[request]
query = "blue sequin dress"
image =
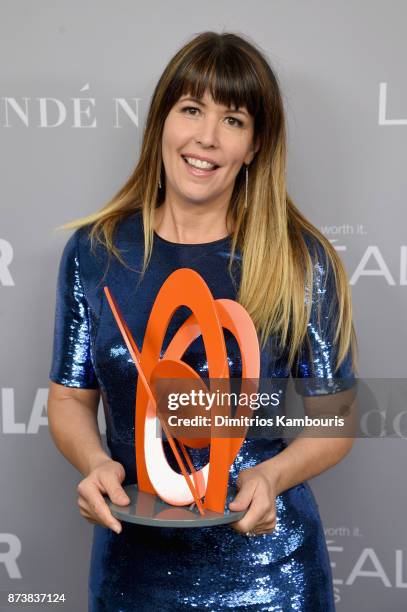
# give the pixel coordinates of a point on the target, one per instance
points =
(212, 568)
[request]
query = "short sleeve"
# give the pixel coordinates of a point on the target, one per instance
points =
(71, 363)
(314, 366)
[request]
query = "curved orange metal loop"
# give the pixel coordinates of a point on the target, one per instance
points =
(185, 287)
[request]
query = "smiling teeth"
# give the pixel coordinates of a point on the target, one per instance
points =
(199, 163)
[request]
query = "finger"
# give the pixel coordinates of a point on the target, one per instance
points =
(265, 527)
(83, 505)
(113, 488)
(269, 519)
(255, 515)
(263, 532)
(84, 510)
(89, 518)
(99, 509)
(244, 496)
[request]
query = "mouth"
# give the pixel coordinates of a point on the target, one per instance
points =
(199, 167)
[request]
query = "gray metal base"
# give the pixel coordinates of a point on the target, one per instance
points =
(148, 509)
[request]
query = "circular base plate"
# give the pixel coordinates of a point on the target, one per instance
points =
(148, 509)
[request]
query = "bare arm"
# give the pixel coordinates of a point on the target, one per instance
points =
(312, 453)
(72, 418)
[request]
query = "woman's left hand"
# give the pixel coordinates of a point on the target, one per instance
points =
(257, 492)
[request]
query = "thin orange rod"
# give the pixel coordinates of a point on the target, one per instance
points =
(135, 354)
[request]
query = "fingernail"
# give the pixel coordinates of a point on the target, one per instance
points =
(117, 529)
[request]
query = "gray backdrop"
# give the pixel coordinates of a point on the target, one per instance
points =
(76, 80)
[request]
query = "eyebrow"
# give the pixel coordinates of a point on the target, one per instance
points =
(228, 110)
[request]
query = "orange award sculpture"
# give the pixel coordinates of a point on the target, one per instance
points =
(155, 477)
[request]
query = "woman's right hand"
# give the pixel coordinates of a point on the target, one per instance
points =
(105, 479)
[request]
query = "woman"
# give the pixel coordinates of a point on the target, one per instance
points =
(208, 193)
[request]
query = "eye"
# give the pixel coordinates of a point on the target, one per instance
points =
(237, 123)
(187, 109)
(193, 112)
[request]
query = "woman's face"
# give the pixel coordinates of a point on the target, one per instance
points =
(204, 145)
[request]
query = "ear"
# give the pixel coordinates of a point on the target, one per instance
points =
(249, 157)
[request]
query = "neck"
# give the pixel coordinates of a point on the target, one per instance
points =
(192, 224)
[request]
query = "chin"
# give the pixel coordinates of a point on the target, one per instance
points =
(197, 198)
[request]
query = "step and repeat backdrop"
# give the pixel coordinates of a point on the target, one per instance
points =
(76, 82)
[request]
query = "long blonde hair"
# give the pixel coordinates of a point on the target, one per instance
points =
(277, 267)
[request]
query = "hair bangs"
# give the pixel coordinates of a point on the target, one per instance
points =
(228, 78)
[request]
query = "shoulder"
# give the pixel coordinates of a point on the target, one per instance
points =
(91, 257)
(69, 261)
(76, 249)
(127, 231)
(323, 261)
(80, 245)
(317, 249)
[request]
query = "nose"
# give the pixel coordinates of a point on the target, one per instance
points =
(207, 132)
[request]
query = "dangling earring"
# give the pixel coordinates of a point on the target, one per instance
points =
(247, 184)
(159, 181)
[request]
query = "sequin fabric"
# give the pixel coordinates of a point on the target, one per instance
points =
(216, 568)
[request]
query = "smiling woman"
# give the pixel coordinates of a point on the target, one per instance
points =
(208, 193)
(203, 149)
